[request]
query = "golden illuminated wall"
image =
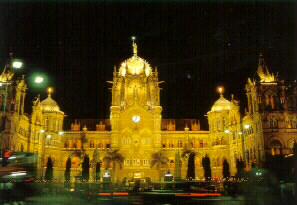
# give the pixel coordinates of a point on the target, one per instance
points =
(225, 134)
(136, 114)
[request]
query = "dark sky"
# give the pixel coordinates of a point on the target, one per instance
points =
(195, 47)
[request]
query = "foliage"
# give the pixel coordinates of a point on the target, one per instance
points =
(86, 168)
(240, 168)
(159, 160)
(226, 169)
(98, 170)
(206, 167)
(67, 170)
(191, 166)
(49, 169)
(190, 156)
(113, 157)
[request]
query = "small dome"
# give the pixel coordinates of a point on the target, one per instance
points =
(50, 105)
(221, 104)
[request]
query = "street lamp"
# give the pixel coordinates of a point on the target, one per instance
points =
(17, 64)
(38, 79)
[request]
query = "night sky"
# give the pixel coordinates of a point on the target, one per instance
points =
(195, 47)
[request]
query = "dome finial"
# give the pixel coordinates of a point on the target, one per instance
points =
(49, 91)
(220, 90)
(134, 45)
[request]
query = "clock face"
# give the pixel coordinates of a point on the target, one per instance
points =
(136, 119)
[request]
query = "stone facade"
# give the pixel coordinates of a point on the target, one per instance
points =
(137, 130)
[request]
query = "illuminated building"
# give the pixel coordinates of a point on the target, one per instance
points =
(136, 128)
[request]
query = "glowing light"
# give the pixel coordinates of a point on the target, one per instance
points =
(227, 131)
(137, 175)
(106, 175)
(136, 119)
(240, 133)
(168, 175)
(50, 90)
(20, 173)
(17, 64)
(48, 136)
(220, 90)
(42, 131)
(38, 79)
(258, 173)
(247, 126)
(61, 133)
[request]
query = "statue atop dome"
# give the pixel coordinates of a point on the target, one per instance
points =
(135, 65)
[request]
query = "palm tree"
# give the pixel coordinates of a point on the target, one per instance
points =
(49, 169)
(86, 168)
(226, 169)
(96, 164)
(159, 161)
(190, 156)
(206, 167)
(112, 159)
(67, 170)
(240, 168)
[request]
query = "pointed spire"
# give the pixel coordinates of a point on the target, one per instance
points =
(134, 46)
(261, 61)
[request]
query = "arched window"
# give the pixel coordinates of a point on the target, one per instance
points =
(66, 144)
(276, 147)
(91, 144)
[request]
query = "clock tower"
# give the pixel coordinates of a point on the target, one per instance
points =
(135, 114)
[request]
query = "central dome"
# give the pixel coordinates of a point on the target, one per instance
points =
(221, 104)
(135, 65)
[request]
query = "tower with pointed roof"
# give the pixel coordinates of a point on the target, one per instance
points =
(272, 106)
(135, 111)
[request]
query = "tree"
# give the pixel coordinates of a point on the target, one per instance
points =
(96, 164)
(190, 156)
(226, 169)
(240, 168)
(67, 170)
(86, 168)
(159, 161)
(49, 169)
(112, 159)
(97, 171)
(206, 167)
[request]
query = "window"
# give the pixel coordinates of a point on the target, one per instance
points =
(276, 147)
(91, 144)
